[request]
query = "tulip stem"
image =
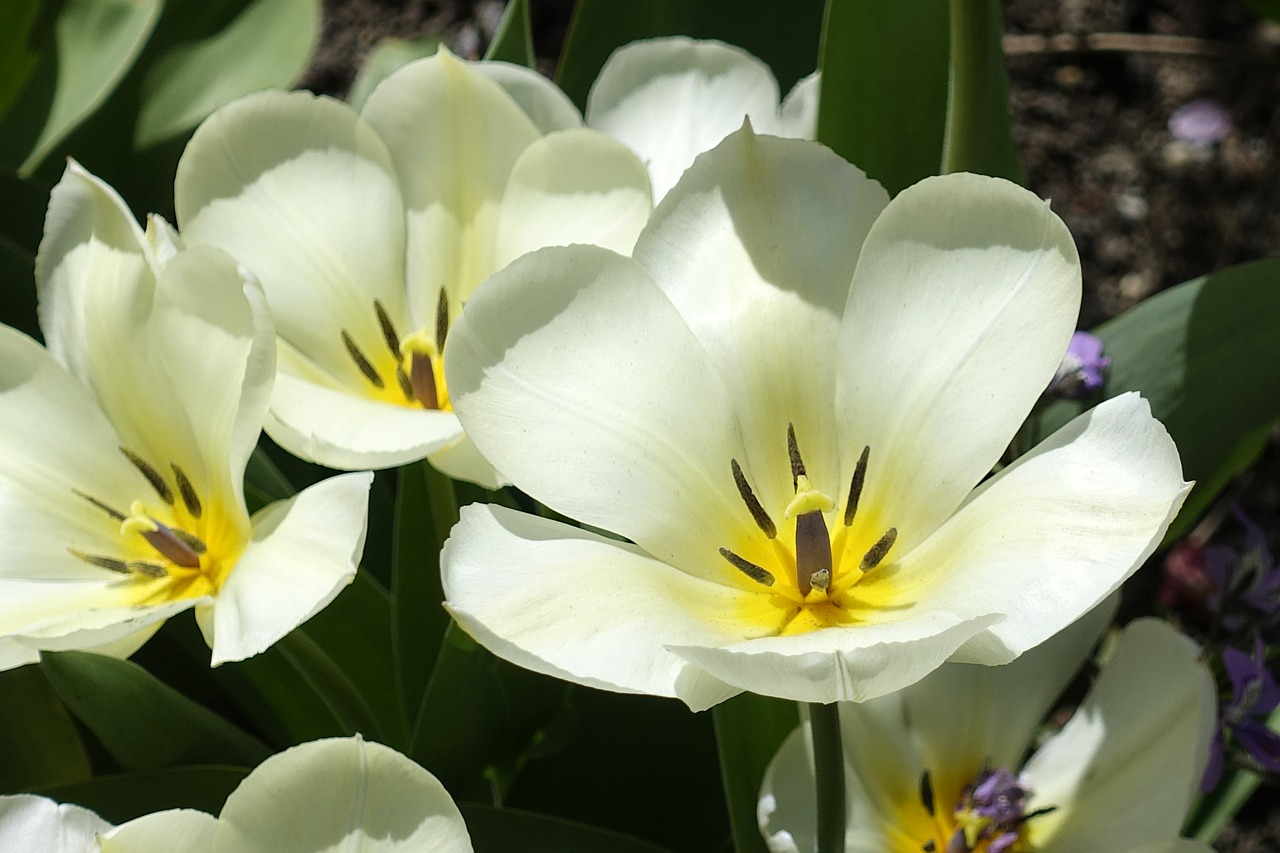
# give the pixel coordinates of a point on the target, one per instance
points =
(971, 67)
(828, 772)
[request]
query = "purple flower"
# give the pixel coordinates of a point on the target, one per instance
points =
(1081, 371)
(1254, 695)
(1200, 122)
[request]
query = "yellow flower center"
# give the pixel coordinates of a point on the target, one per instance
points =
(178, 548)
(410, 370)
(810, 575)
(988, 816)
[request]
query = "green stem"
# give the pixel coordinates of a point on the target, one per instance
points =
(749, 730)
(971, 39)
(828, 773)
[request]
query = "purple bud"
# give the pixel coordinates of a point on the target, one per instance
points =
(1081, 371)
(1200, 122)
(1000, 797)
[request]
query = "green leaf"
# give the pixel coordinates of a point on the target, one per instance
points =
(19, 52)
(416, 591)
(263, 481)
(125, 796)
(784, 35)
(749, 731)
(390, 54)
(1269, 9)
(267, 45)
(142, 722)
(1204, 354)
(513, 40)
(884, 87)
(38, 740)
(495, 830)
(94, 44)
(979, 135)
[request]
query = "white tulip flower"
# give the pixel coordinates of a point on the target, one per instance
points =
(788, 403)
(123, 448)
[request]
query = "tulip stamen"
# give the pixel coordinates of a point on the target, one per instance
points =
(115, 514)
(879, 551)
(361, 361)
(188, 492)
(762, 519)
(855, 486)
(179, 547)
(793, 454)
(759, 574)
(153, 476)
(813, 541)
(926, 793)
(389, 333)
(442, 320)
(122, 567)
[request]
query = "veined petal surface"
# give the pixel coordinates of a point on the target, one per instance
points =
(965, 297)
(171, 831)
(32, 823)
(542, 101)
(670, 99)
(337, 795)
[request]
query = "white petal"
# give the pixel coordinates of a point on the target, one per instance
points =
(542, 101)
(577, 379)
(14, 654)
(302, 191)
(756, 247)
(172, 831)
(965, 297)
(575, 186)
(340, 794)
(800, 108)
(163, 238)
(454, 136)
(670, 99)
(316, 419)
(574, 605)
(1049, 537)
(39, 825)
(462, 460)
(1126, 767)
(303, 552)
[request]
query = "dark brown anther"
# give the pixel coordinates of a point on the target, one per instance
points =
(111, 565)
(151, 570)
(813, 552)
(195, 543)
(855, 487)
(389, 333)
(926, 792)
(759, 574)
(406, 387)
(188, 491)
(361, 362)
(153, 476)
(107, 508)
(793, 452)
(422, 377)
(879, 551)
(929, 846)
(442, 320)
(762, 519)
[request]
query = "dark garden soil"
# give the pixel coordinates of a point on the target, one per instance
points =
(1093, 84)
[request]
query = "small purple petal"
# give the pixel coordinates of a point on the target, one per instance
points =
(1254, 537)
(1003, 843)
(1081, 370)
(1260, 742)
(1200, 122)
(1213, 769)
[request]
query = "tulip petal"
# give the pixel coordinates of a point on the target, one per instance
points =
(624, 435)
(454, 136)
(571, 604)
(303, 552)
(575, 186)
(542, 101)
(965, 297)
(671, 99)
(172, 831)
(340, 794)
(1053, 534)
(28, 822)
(799, 116)
(14, 654)
(1141, 738)
(316, 419)
(302, 192)
(767, 307)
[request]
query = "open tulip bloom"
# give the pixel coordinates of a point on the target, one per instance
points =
(787, 403)
(939, 766)
(370, 231)
(326, 795)
(123, 448)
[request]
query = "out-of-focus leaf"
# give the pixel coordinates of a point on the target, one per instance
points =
(1269, 9)
(125, 796)
(267, 45)
(263, 481)
(142, 722)
(1204, 353)
(503, 830)
(390, 54)
(425, 511)
(979, 135)
(94, 44)
(883, 107)
(38, 740)
(784, 35)
(19, 51)
(513, 41)
(749, 730)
